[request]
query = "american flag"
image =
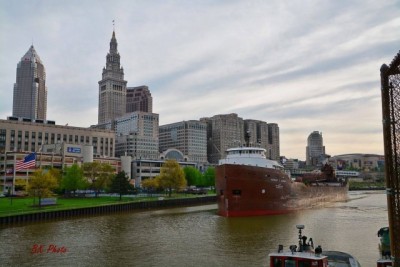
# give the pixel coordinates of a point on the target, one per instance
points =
(28, 162)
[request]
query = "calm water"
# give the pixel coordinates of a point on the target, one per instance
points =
(195, 236)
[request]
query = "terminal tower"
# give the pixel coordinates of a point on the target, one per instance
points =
(112, 87)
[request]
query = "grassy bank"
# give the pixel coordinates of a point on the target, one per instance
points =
(23, 205)
(366, 185)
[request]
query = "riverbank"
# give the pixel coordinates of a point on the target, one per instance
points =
(68, 212)
(19, 205)
(353, 186)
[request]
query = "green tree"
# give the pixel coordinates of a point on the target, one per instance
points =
(73, 179)
(120, 184)
(98, 175)
(192, 175)
(209, 176)
(41, 184)
(172, 176)
(107, 173)
(151, 183)
(56, 173)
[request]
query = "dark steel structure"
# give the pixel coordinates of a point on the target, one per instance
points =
(390, 90)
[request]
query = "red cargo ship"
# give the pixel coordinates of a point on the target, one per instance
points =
(249, 184)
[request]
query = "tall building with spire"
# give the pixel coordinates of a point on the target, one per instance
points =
(30, 91)
(112, 87)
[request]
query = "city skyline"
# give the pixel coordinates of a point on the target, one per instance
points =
(305, 65)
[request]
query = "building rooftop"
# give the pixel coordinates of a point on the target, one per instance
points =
(31, 55)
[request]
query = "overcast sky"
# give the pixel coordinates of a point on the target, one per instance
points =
(305, 65)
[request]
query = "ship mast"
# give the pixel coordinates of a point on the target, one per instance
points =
(390, 91)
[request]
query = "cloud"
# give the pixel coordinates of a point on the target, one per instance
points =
(306, 65)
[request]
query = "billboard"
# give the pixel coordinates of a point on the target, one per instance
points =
(71, 149)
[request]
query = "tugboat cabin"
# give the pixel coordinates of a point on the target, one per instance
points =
(297, 259)
(384, 263)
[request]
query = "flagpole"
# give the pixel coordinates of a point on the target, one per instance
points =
(13, 185)
(5, 171)
(26, 182)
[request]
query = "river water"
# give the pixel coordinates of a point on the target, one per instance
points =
(194, 236)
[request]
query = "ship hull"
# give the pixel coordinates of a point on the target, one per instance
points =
(244, 190)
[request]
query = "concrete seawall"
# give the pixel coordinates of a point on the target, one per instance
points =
(106, 209)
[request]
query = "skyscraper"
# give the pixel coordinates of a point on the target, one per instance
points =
(315, 149)
(258, 132)
(137, 135)
(112, 87)
(273, 151)
(30, 91)
(223, 131)
(190, 137)
(264, 135)
(139, 99)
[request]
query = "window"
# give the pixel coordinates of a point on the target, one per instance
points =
(290, 263)
(277, 262)
(2, 140)
(236, 192)
(306, 264)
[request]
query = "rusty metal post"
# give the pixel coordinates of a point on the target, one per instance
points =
(390, 91)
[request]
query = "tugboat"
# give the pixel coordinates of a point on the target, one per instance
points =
(305, 255)
(384, 248)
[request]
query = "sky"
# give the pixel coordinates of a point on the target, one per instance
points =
(305, 65)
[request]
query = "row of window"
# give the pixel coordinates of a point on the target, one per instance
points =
(31, 141)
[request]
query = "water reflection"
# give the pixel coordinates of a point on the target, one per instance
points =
(195, 236)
